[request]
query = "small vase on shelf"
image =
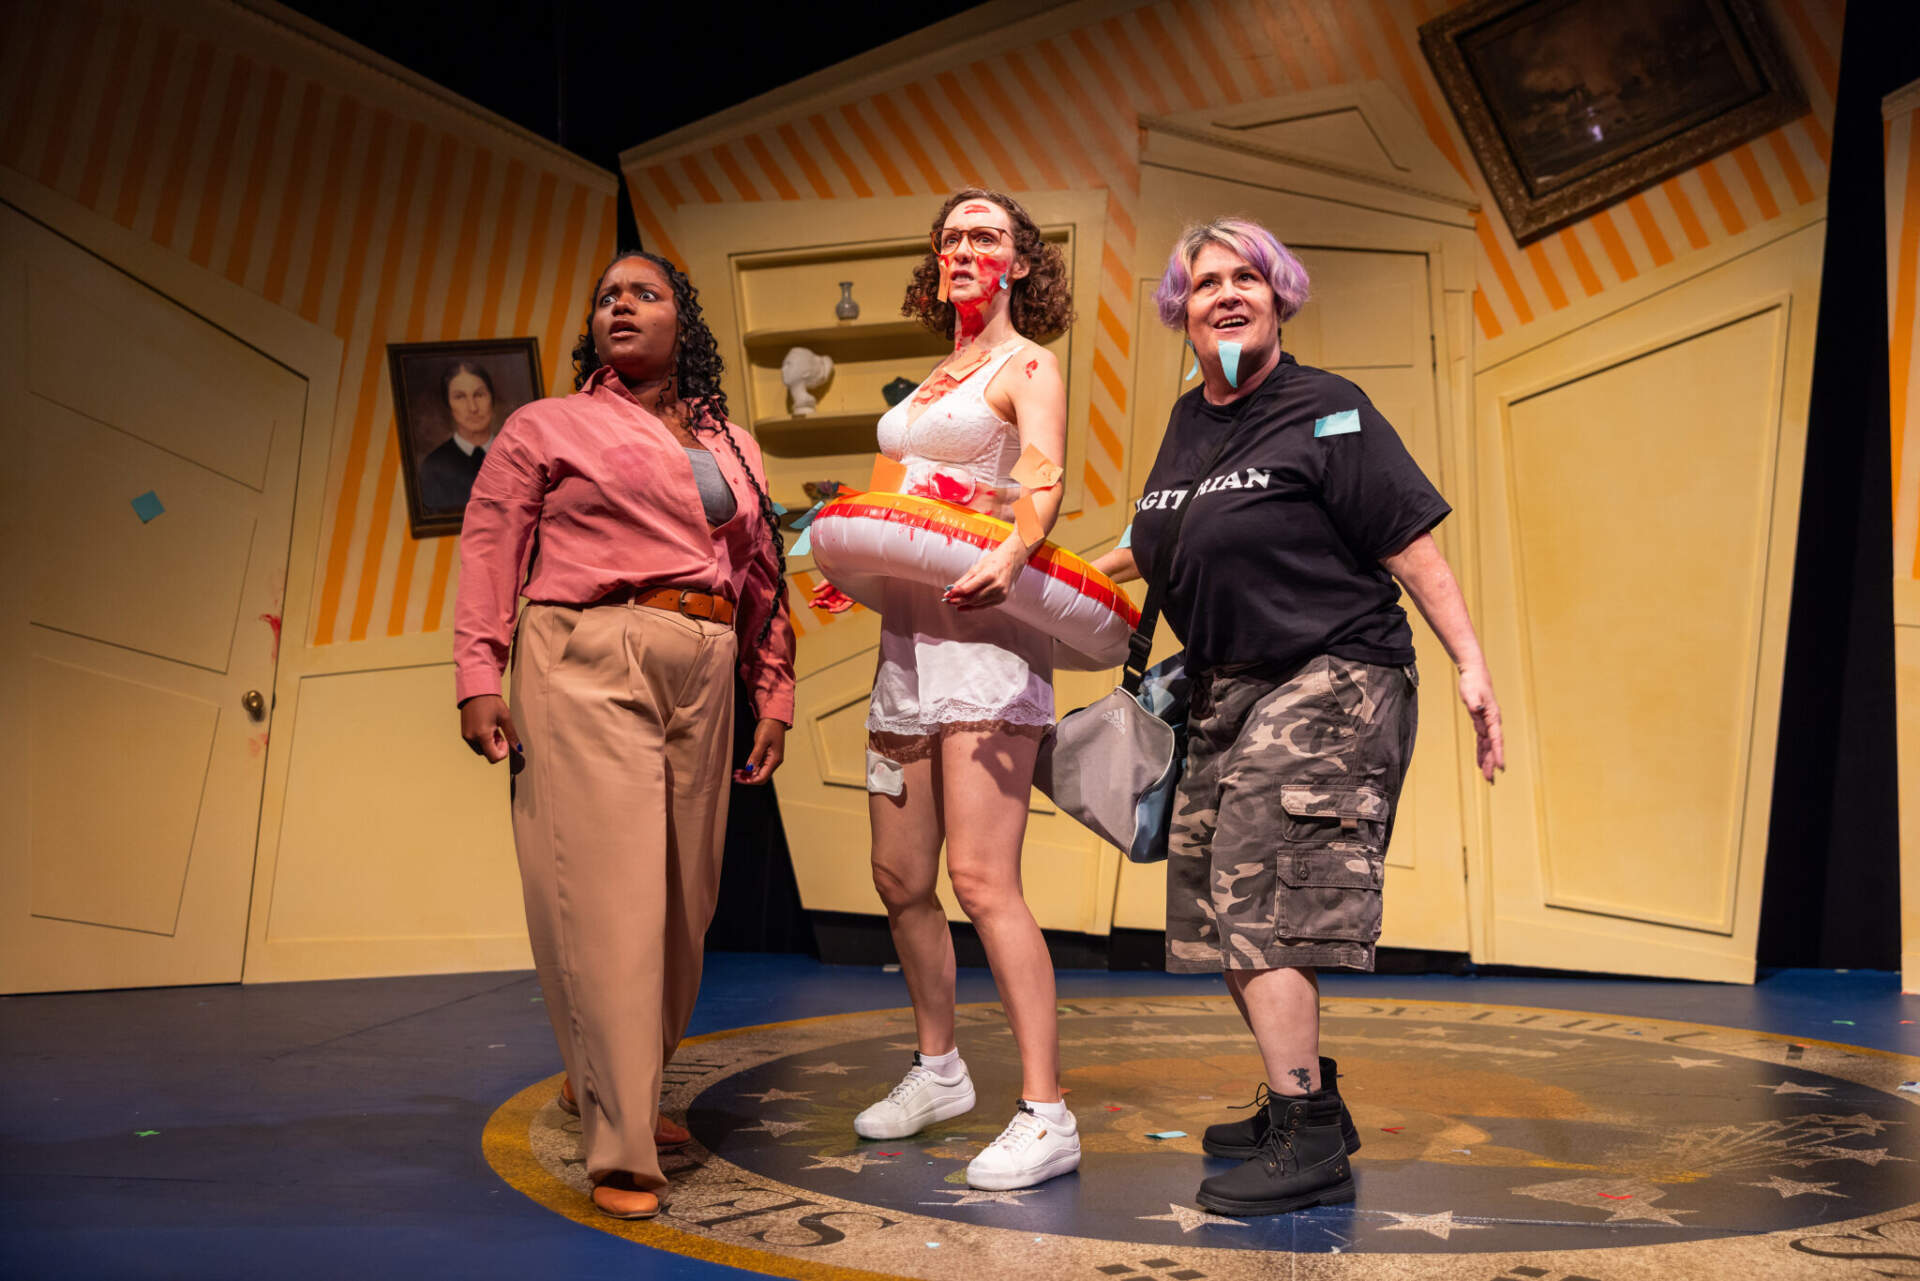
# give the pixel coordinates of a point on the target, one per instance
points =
(846, 308)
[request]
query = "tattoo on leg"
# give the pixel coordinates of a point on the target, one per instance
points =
(1303, 1077)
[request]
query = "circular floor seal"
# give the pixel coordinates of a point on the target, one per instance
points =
(1500, 1143)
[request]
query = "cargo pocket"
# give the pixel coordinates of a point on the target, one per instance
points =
(1332, 862)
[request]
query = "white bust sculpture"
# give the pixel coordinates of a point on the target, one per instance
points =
(804, 371)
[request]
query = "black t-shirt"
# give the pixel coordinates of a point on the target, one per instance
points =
(1279, 561)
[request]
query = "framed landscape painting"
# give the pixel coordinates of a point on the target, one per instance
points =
(1574, 105)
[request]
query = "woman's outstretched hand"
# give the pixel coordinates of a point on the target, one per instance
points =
(830, 598)
(769, 749)
(487, 726)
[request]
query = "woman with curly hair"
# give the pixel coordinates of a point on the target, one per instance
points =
(964, 693)
(652, 566)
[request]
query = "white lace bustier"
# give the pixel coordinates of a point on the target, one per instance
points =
(959, 439)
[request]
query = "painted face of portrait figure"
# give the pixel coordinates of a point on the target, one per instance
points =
(470, 401)
(467, 390)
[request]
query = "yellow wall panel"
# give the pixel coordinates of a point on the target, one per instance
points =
(1641, 551)
(425, 849)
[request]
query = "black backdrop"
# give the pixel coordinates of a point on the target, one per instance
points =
(1832, 895)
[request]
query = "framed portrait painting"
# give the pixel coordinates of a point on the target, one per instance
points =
(1574, 105)
(449, 399)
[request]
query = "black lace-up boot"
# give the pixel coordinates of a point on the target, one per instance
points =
(1239, 1139)
(1301, 1162)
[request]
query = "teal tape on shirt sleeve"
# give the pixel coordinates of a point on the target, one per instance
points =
(1126, 538)
(1347, 420)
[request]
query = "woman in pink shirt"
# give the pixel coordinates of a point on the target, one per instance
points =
(651, 561)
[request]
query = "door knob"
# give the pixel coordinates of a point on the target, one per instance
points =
(256, 706)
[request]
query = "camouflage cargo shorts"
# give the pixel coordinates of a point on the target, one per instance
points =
(1281, 823)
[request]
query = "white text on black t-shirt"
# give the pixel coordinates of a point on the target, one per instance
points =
(1244, 478)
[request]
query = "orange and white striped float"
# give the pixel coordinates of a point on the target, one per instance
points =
(861, 541)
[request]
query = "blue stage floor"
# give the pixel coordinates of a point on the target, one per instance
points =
(333, 1130)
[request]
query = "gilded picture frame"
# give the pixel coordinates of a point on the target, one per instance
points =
(449, 400)
(1573, 105)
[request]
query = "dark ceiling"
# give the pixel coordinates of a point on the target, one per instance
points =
(598, 77)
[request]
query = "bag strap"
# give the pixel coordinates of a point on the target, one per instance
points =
(1140, 644)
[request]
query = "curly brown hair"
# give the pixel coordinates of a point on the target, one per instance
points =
(1042, 300)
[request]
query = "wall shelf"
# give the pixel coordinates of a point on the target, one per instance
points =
(846, 433)
(850, 341)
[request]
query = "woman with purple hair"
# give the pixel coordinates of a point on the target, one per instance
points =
(1305, 510)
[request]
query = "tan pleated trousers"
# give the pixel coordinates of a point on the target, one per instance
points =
(626, 714)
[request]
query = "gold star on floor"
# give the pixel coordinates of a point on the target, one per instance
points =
(1865, 1156)
(1440, 1225)
(1789, 1187)
(778, 1129)
(1860, 1123)
(1639, 1211)
(853, 1163)
(1680, 1062)
(978, 1196)
(1794, 1087)
(829, 1069)
(1189, 1218)
(1624, 1200)
(774, 1096)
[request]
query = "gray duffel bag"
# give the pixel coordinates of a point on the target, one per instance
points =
(1114, 765)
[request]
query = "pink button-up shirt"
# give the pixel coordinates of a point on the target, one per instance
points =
(588, 494)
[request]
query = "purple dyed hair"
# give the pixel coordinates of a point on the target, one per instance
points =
(1252, 242)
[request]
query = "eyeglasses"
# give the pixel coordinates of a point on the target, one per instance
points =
(982, 239)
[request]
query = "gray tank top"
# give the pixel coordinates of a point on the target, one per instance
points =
(716, 496)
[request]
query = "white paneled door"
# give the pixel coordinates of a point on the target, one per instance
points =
(146, 511)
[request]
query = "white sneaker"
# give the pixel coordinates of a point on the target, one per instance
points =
(921, 1098)
(1030, 1150)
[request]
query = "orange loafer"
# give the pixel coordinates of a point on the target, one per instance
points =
(625, 1203)
(667, 1135)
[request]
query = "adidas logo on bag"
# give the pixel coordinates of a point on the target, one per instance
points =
(1114, 717)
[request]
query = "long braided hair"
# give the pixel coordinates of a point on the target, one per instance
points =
(695, 384)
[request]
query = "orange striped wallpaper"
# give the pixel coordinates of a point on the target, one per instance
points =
(367, 214)
(1062, 112)
(1902, 138)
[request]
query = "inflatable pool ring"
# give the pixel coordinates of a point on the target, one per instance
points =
(861, 541)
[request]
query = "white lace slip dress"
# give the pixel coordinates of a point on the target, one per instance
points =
(943, 668)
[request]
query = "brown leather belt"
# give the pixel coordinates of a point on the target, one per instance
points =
(688, 601)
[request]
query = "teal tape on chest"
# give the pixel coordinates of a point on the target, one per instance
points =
(1347, 420)
(1230, 363)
